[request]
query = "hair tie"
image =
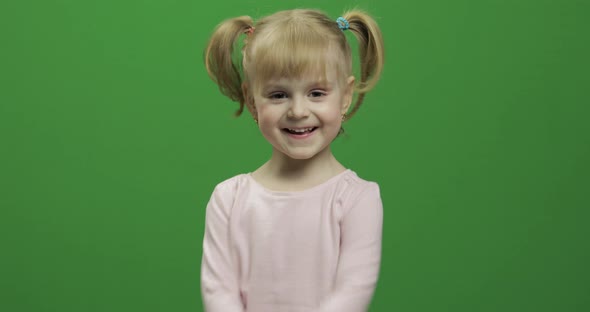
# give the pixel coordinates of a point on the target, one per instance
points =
(249, 30)
(342, 23)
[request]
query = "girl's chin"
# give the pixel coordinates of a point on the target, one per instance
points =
(304, 154)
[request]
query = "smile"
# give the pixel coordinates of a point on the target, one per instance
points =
(299, 133)
(299, 130)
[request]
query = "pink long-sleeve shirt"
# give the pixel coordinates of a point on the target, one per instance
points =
(316, 250)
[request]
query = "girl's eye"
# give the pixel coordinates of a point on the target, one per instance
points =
(277, 95)
(317, 93)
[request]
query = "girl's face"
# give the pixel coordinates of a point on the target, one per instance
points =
(301, 117)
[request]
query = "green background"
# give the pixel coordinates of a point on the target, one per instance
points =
(113, 137)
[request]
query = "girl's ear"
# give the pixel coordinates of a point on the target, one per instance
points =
(348, 93)
(249, 100)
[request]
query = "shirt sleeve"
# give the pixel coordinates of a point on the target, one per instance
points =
(360, 254)
(219, 282)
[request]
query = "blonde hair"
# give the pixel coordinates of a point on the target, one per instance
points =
(289, 44)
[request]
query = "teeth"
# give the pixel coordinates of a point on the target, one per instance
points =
(300, 130)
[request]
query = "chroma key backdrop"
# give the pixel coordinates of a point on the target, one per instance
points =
(112, 138)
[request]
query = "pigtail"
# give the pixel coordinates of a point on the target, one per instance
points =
(371, 52)
(219, 61)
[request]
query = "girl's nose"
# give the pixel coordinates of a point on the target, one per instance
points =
(298, 108)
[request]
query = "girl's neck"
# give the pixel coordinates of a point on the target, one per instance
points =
(282, 172)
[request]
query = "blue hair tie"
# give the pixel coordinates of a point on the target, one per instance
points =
(342, 23)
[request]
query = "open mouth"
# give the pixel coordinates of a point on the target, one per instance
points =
(300, 131)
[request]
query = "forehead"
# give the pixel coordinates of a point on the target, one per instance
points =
(326, 75)
(322, 62)
(320, 74)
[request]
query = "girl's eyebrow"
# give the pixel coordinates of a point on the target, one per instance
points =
(283, 86)
(321, 83)
(272, 87)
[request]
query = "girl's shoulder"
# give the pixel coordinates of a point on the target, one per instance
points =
(355, 188)
(352, 180)
(231, 184)
(344, 192)
(346, 184)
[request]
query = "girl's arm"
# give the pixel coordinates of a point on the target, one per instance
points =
(219, 282)
(360, 254)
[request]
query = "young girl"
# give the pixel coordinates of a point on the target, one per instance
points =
(302, 232)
